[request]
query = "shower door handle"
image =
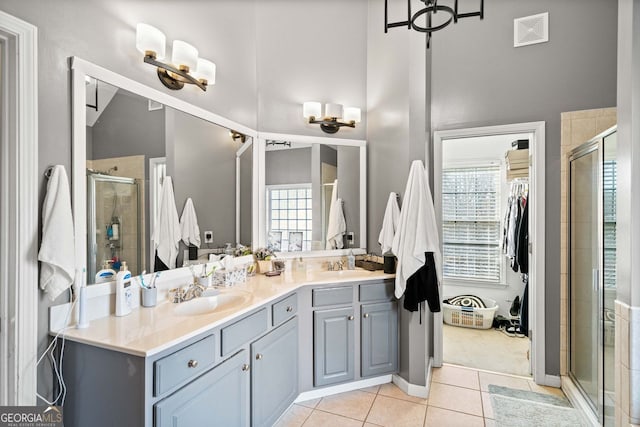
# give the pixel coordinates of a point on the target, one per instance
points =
(595, 279)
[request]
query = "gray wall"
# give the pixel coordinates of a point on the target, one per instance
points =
(291, 166)
(488, 81)
(246, 183)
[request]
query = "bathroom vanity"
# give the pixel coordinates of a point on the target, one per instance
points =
(237, 366)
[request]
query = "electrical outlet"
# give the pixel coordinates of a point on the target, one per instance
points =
(208, 236)
(350, 236)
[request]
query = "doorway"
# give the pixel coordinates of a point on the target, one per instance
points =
(472, 213)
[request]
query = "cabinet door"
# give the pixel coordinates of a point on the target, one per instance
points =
(379, 338)
(274, 373)
(219, 397)
(333, 346)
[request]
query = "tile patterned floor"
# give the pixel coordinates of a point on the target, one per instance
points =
(459, 397)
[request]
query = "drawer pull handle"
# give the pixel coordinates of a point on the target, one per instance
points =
(245, 367)
(258, 356)
(289, 309)
(350, 317)
(366, 315)
(192, 363)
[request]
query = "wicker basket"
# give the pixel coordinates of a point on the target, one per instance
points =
(469, 317)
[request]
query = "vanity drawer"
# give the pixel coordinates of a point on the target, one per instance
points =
(377, 291)
(332, 296)
(284, 309)
(182, 365)
(238, 334)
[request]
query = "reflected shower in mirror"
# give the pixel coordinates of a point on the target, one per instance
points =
(301, 179)
(132, 144)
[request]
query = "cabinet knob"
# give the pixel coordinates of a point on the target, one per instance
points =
(289, 309)
(350, 317)
(192, 363)
(366, 315)
(245, 367)
(258, 356)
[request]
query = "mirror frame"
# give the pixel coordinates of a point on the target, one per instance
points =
(79, 70)
(260, 201)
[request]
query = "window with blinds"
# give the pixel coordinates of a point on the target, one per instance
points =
(609, 205)
(471, 224)
(289, 214)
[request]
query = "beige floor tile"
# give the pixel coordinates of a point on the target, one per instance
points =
(486, 405)
(547, 390)
(294, 417)
(487, 378)
(310, 403)
(488, 422)
(392, 390)
(455, 398)
(353, 404)
(437, 417)
(460, 377)
(373, 389)
(325, 419)
(390, 412)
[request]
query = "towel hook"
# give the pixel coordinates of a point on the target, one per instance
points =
(47, 172)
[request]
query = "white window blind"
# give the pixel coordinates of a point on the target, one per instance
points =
(289, 210)
(609, 204)
(471, 223)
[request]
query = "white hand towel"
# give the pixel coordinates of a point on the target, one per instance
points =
(189, 225)
(417, 230)
(337, 225)
(167, 235)
(389, 223)
(57, 250)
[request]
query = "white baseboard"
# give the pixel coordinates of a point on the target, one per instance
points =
(341, 388)
(411, 389)
(578, 401)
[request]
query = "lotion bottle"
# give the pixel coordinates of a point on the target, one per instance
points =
(124, 294)
(106, 274)
(351, 260)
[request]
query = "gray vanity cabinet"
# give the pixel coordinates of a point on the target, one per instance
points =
(333, 349)
(219, 397)
(274, 373)
(379, 336)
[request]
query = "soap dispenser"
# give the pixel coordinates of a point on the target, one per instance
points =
(107, 274)
(124, 291)
(351, 260)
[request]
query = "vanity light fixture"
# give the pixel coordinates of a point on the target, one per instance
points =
(185, 66)
(335, 116)
(237, 135)
(436, 17)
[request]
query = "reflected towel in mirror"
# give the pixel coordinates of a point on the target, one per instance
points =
(337, 226)
(389, 223)
(189, 225)
(57, 250)
(167, 234)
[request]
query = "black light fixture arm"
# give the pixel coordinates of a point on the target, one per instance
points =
(331, 124)
(172, 77)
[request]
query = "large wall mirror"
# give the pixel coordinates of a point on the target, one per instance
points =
(127, 138)
(303, 176)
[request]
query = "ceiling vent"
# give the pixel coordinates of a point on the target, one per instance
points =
(531, 30)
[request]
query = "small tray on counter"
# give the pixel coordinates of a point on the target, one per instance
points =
(369, 265)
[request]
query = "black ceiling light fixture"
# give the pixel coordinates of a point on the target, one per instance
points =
(436, 17)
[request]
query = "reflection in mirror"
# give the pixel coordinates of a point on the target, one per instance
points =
(132, 144)
(301, 180)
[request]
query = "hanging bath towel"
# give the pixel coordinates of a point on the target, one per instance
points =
(189, 225)
(389, 223)
(167, 235)
(57, 250)
(337, 225)
(416, 236)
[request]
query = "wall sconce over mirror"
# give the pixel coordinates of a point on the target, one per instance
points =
(235, 135)
(335, 116)
(185, 67)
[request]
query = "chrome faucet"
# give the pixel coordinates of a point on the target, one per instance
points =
(336, 266)
(193, 290)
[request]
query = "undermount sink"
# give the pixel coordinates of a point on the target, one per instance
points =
(224, 301)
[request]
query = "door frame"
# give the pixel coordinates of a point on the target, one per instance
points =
(536, 233)
(19, 212)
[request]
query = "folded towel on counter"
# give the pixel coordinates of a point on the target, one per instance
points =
(57, 250)
(189, 225)
(167, 234)
(389, 223)
(417, 231)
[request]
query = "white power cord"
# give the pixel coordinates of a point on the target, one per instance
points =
(57, 366)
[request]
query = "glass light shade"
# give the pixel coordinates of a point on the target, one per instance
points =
(333, 110)
(206, 71)
(311, 109)
(184, 55)
(150, 39)
(352, 114)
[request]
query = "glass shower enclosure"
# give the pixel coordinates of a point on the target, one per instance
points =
(592, 272)
(113, 223)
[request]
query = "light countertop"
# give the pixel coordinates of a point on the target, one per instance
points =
(148, 331)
